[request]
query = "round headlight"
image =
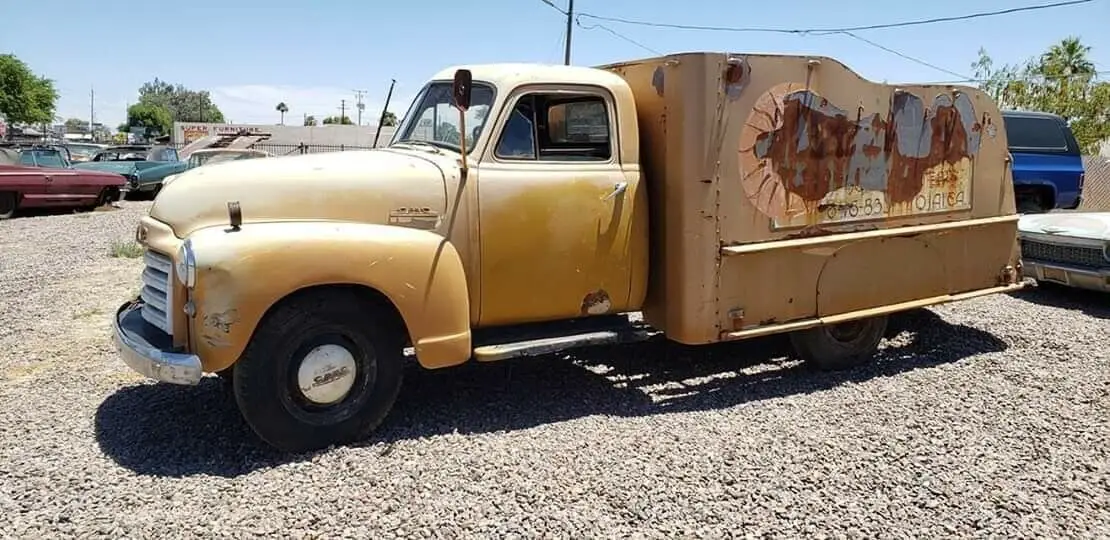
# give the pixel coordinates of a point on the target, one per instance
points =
(186, 265)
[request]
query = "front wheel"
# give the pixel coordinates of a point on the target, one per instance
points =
(322, 369)
(836, 347)
(8, 203)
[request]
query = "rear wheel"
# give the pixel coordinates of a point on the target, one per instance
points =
(841, 346)
(8, 203)
(322, 369)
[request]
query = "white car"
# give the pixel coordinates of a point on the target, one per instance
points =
(210, 156)
(1069, 248)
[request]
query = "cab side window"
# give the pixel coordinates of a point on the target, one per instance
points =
(557, 127)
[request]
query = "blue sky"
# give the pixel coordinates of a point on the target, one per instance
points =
(311, 54)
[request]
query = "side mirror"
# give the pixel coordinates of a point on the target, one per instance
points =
(460, 89)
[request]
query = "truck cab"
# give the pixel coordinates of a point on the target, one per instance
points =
(1048, 167)
(525, 209)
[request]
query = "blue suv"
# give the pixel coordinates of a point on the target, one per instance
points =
(1047, 167)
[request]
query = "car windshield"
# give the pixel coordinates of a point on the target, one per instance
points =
(434, 120)
(42, 158)
(82, 150)
(196, 160)
(123, 154)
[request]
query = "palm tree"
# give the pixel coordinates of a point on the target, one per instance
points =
(282, 108)
(1063, 65)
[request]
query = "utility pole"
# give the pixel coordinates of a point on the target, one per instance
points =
(92, 112)
(570, 27)
(342, 110)
(359, 104)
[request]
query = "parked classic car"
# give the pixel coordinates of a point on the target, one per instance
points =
(145, 167)
(213, 156)
(82, 152)
(23, 186)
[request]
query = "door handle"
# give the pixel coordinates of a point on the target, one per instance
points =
(618, 189)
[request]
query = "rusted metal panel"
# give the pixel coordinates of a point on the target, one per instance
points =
(749, 149)
(806, 161)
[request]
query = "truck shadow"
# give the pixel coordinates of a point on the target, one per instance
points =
(1093, 303)
(166, 430)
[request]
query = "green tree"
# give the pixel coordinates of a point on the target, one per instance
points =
(336, 120)
(389, 119)
(184, 105)
(282, 108)
(25, 98)
(310, 120)
(1061, 81)
(156, 119)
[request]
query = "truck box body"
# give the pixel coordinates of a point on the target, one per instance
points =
(786, 191)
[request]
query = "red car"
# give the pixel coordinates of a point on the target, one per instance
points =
(27, 181)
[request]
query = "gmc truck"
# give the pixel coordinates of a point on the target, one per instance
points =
(526, 209)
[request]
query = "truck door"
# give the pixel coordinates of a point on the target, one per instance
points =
(555, 209)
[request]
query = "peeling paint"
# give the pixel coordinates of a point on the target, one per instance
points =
(803, 155)
(222, 320)
(657, 80)
(596, 303)
(736, 77)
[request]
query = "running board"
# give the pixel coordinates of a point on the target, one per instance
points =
(551, 345)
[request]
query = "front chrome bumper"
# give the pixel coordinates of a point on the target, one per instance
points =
(1094, 279)
(148, 350)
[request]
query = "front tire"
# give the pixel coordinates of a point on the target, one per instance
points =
(837, 347)
(8, 203)
(322, 369)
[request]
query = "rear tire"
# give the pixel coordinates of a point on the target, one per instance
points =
(841, 346)
(321, 369)
(8, 203)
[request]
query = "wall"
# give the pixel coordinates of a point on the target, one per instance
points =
(331, 135)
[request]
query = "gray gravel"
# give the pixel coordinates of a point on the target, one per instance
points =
(986, 418)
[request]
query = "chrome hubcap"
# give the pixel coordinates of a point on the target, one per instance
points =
(326, 374)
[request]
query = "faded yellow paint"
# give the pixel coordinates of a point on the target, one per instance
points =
(242, 274)
(518, 241)
(694, 136)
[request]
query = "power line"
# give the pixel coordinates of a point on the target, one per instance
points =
(1034, 77)
(553, 6)
(617, 34)
(902, 55)
(833, 30)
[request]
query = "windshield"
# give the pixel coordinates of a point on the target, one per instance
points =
(83, 150)
(42, 158)
(122, 154)
(198, 159)
(433, 119)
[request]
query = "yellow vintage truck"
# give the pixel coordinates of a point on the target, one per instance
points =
(525, 209)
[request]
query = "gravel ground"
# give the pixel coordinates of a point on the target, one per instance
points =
(986, 418)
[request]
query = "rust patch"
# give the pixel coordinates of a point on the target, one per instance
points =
(736, 77)
(913, 158)
(222, 321)
(596, 303)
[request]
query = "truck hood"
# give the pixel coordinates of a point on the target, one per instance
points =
(360, 186)
(1090, 225)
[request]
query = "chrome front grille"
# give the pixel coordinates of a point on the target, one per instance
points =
(1084, 256)
(157, 291)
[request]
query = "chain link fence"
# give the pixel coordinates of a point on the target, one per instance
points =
(1096, 189)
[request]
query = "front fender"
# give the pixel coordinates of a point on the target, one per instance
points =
(241, 274)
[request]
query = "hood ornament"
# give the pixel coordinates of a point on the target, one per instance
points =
(234, 215)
